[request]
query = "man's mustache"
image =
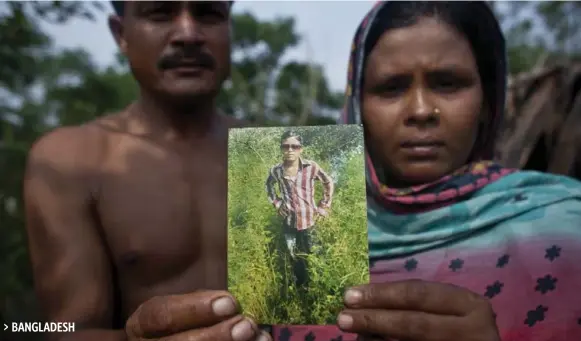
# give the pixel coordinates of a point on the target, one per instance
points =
(186, 56)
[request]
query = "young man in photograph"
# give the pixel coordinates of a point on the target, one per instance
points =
(295, 177)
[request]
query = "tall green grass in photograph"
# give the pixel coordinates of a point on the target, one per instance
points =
(259, 272)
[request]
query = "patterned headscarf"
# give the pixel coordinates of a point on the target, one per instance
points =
(476, 174)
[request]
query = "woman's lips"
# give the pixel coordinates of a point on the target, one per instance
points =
(422, 149)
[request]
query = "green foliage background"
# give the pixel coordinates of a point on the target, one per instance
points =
(258, 264)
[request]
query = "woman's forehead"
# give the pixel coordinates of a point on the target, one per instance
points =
(429, 43)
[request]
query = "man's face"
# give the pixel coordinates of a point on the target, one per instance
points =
(179, 49)
(291, 149)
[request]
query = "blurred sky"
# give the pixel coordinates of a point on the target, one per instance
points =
(327, 28)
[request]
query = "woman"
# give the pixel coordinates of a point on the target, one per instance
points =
(495, 253)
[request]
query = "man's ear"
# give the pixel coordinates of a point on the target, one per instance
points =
(117, 30)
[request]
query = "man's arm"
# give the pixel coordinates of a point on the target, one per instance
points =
(273, 198)
(71, 269)
(328, 187)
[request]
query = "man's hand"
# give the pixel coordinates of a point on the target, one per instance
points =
(418, 311)
(322, 212)
(200, 316)
(283, 211)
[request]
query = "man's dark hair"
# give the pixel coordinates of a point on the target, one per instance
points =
(291, 133)
(119, 7)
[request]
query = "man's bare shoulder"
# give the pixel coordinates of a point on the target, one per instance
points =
(72, 147)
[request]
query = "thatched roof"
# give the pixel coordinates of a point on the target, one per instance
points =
(542, 128)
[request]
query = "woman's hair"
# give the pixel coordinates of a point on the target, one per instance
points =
(472, 19)
(290, 133)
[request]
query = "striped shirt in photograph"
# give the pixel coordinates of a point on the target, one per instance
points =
(298, 193)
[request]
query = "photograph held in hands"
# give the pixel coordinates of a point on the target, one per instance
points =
(297, 221)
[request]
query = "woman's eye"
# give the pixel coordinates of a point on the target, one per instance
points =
(393, 92)
(394, 87)
(448, 83)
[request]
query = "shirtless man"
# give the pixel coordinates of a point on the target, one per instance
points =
(130, 208)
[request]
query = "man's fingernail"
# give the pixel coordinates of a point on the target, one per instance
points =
(263, 336)
(345, 321)
(242, 331)
(353, 296)
(224, 306)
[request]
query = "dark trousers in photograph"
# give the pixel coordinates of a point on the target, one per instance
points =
(299, 245)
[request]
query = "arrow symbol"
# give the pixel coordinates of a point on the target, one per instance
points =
(5, 326)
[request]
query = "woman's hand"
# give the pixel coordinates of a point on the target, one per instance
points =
(418, 311)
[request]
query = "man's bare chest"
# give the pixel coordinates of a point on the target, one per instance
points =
(163, 217)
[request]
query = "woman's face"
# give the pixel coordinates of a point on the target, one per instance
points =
(422, 102)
